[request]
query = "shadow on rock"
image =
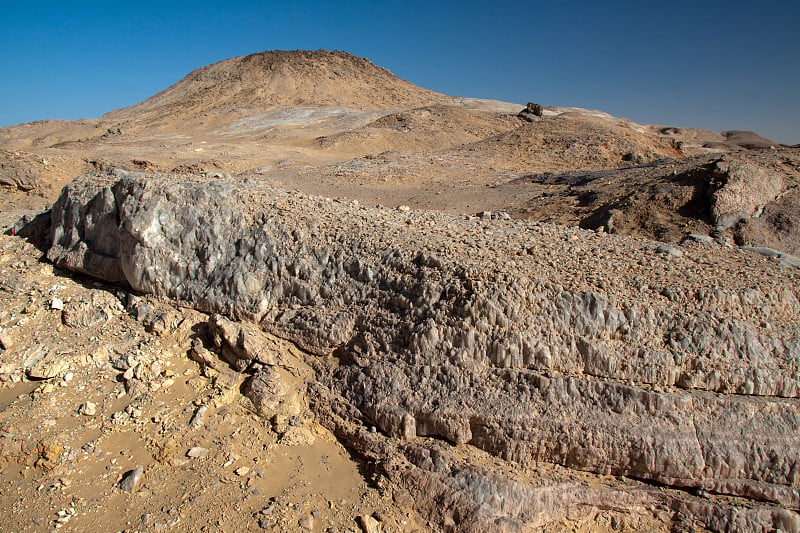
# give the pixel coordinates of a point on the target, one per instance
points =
(35, 228)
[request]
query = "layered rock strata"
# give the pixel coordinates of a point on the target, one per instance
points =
(531, 342)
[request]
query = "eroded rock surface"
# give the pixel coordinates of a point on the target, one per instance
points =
(535, 343)
(743, 190)
(748, 198)
(20, 170)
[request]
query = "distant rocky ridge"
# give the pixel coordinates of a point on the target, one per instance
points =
(748, 198)
(533, 342)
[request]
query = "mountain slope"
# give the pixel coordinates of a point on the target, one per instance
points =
(282, 78)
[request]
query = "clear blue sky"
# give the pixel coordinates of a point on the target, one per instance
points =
(714, 64)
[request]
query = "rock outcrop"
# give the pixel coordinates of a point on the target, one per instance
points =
(532, 342)
(19, 170)
(749, 198)
(742, 189)
(531, 113)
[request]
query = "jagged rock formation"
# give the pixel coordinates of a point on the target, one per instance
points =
(749, 198)
(532, 112)
(742, 192)
(532, 342)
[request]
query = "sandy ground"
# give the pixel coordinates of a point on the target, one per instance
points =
(68, 441)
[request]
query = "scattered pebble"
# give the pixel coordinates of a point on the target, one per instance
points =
(702, 239)
(88, 409)
(198, 418)
(6, 342)
(197, 451)
(57, 304)
(64, 516)
(368, 524)
(669, 250)
(131, 479)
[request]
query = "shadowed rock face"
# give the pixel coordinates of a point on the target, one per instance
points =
(531, 342)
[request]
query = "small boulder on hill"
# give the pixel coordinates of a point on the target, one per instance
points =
(741, 190)
(532, 112)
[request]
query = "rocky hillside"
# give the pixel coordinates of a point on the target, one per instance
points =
(282, 78)
(746, 198)
(533, 343)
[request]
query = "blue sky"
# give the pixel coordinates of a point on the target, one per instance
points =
(718, 65)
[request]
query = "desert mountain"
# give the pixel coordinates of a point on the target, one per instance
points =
(295, 292)
(259, 82)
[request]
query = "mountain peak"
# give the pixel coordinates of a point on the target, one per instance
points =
(278, 78)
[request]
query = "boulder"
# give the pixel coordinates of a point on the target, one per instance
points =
(534, 109)
(531, 113)
(740, 190)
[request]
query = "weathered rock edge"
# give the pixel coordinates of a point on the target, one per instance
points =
(453, 328)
